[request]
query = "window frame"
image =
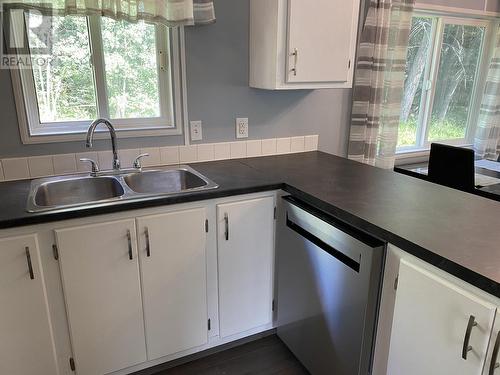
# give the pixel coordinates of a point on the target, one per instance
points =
(440, 20)
(171, 89)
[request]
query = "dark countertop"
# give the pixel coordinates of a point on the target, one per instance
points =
(450, 229)
(419, 170)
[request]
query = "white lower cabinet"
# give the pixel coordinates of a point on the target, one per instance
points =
(100, 275)
(26, 341)
(492, 366)
(174, 285)
(132, 290)
(438, 327)
(245, 243)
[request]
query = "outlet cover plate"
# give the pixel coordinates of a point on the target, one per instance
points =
(196, 130)
(242, 127)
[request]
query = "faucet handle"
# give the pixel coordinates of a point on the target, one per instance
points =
(94, 165)
(137, 161)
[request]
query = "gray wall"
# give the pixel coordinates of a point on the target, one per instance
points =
(217, 87)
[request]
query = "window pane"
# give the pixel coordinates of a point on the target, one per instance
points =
(419, 48)
(131, 69)
(459, 62)
(65, 85)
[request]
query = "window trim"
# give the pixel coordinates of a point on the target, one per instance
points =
(441, 19)
(172, 123)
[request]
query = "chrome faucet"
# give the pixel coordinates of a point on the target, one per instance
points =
(90, 137)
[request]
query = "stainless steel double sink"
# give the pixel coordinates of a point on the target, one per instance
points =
(63, 192)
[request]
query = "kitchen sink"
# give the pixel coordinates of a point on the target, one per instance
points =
(63, 192)
(169, 181)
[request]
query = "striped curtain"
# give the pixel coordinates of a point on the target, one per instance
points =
(166, 12)
(487, 137)
(379, 82)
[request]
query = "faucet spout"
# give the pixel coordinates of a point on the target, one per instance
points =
(112, 133)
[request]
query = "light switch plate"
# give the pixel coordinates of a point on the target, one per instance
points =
(241, 127)
(196, 130)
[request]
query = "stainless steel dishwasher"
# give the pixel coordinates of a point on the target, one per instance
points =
(329, 277)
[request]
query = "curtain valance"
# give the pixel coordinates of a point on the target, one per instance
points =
(166, 12)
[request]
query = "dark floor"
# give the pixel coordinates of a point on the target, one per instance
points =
(265, 356)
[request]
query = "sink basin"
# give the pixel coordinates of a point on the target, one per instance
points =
(63, 192)
(76, 191)
(164, 182)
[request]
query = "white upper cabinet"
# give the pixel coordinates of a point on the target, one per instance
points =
(245, 243)
(438, 327)
(101, 282)
(299, 44)
(174, 284)
(26, 341)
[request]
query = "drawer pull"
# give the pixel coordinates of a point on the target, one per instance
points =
(467, 348)
(129, 239)
(28, 260)
(494, 356)
(226, 223)
(148, 246)
(295, 55)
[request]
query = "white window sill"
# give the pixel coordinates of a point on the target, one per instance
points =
(414, 156)
(100, 134)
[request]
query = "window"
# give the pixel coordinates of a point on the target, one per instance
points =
(98, 67)
(442, 75)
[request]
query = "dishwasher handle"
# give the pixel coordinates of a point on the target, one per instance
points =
(349, 262)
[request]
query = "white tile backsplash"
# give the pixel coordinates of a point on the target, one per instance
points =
(238, 150)
(282, 145)
(169, 155)
(222, 151)
(297, 144)
(16, 168)
(188, 154)
(105, 160)
(64, 164)
(127, 157)
(206, 152)
(269, 146)
(40, 166)
(154, 158)
(254, 148)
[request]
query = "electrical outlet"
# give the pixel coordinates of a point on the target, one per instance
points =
(196, 130)
(242, 128)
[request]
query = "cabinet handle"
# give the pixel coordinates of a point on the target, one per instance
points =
(226, 222)
(494, 356)
(129, 239)
(295, 55)
(148, 246)
(30, 266)
(467, 348)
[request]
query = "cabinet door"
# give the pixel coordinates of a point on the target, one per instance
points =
(100, 275)
(173, 267)
(431, 319)
(321, 36)
(492, 366)
(245, 258)
(26, 342)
